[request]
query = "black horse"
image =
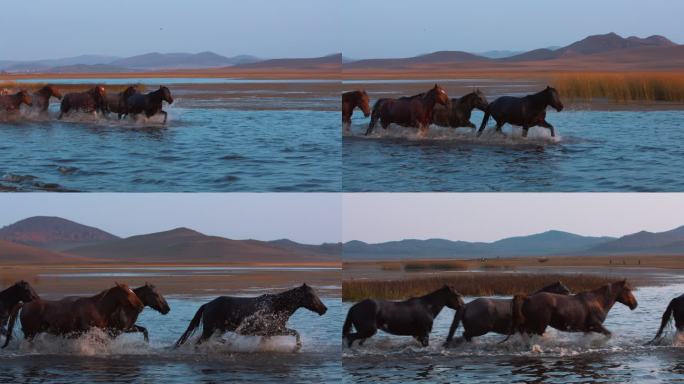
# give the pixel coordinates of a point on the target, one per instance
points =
(412, 317)
(457, 112)
(89, 101)
(264, 315)
(676, 309)
(150, 104)
(20, 292)
(526, 112)
(116, 103)
(484, 315)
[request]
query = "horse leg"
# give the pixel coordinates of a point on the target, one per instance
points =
(598, 327)
(546, 124)
(525, 129)
(165, 115)
(364, 335)
(292, 332)
(424, 340)
(499, 124)
(137, 328)
(207, 332)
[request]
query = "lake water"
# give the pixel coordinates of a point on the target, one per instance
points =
(593, 151)
(556, 357)
(200, 149)
(94, 359)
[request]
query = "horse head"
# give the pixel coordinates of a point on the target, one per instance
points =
(364, 103)
(624, 294)
(130, 91)
(166, 94)
(24, 292)
(557, 287)
(480, 100)
(440, 95)
(454, 300)
(554, 99)
(50, 91)
(150, 297)
(24, 97)
(308, 299)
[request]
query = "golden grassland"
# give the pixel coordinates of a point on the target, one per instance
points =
(469, 284)
(621, 87)
(15, 86)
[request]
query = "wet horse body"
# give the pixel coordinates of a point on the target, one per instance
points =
(11, 299)
(116, 103)
(583, 312)
(414, 111)
(412, 317)
(458, 111)
(354, 99)
(675, 309)
(12, 103)
(527, 112)
(74, 316)
(484, 315)
(264, 315)
(89, 101)
(150, 104)
(41, 98)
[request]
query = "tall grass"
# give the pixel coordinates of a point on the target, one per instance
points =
(621, 87)
(472, 284)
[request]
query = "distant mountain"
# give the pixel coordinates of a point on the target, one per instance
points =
(497, 54)
(329, 61)
(430, 58)
(546, 243)
(20, 254)
(53, 233)
(158, 60)
(645, 242)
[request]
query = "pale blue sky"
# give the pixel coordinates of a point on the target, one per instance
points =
(310, 218)
(38, 29)
(400, 28)
(492, 216)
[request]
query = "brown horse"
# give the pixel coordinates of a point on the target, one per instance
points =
(90, 101)
(150, 104)
(457, 112)
(74, 316)
(354, 99)
(12, 103)
(41, 97)
(414, 111)
(117, 102)
(583, 312)
(674, 309)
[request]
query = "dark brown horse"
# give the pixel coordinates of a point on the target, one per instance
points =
(150, 104)
(354, 99)
(484, 315)
(526, 112)
(75, 316)
(90, 101)
(264, 315)
(10, 298)
(414, 111)
(674, 309)
(412, 317)
(583, 312)
(41, 97)
(12, 103)
(116, 102)
(457, 112)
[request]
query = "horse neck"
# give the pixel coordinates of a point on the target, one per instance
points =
(104, 303)
(429, 100)
(156, 96)
(9, 296)
(286, 302)
(436, 301)
(140, 296)
(608, 298)
(540, 99)
(467, 102)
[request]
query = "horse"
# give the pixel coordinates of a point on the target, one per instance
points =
(150, 104)
(41, 97)
(350, 101)
(527, 111)
(12, 103)
(10, 298)
(457, 112)
(583, 312)
(674, 309)
(484, 315)
(264, 315)
(75, 316)
(89, 101)
(117, 102)
(412, 317)
(414, 111)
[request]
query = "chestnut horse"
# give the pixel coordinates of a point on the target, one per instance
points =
(583, 312)
(12, 103)
(117, 102)
(264, 315)
(41, 97)
(74, 316)
(674, 309)
(526, 112)
(457, 112)
(412, 317)
(354, 99)
(19, 292)
(150, 104)
(414, 111)
(90, 101)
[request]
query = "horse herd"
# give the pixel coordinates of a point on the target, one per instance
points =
(435, 107)
(552, 306)
(129, 102)
(116, 310)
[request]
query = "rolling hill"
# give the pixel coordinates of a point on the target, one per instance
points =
(20, 254)
(53, 233)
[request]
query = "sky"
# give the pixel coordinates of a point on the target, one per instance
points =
(40, 29)
(488, 217)
(401, 28)
(310, 218)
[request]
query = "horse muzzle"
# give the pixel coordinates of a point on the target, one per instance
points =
(321, 310)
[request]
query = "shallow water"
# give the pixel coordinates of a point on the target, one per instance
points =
(593, 151)
(93, 359)
(200, 149)
(556, 357)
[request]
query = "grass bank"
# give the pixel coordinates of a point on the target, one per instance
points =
(621, 87)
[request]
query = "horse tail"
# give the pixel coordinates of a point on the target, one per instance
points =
(667, 315)
(10, 326)
(194, 323)
(458, 317)
(485, 119)
(346, 328)
(517, 316)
